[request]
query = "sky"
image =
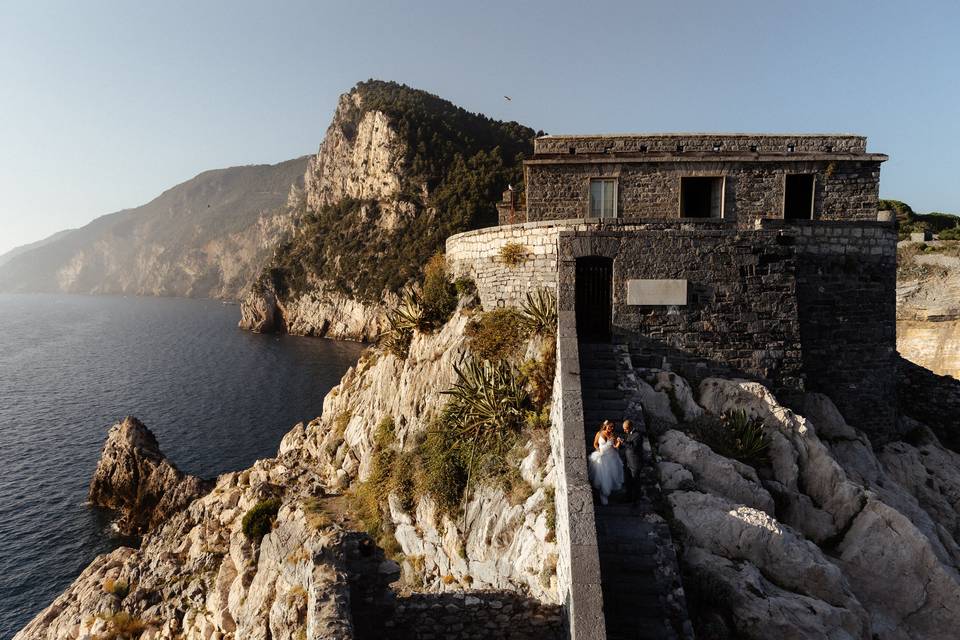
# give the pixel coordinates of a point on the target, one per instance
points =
(104, 105)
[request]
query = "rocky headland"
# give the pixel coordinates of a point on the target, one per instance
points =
(398, 171)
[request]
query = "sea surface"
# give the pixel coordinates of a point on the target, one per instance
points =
(217, 399)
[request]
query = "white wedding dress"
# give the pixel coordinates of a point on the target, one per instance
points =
(605, 469)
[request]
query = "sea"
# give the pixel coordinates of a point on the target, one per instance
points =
(216, 397)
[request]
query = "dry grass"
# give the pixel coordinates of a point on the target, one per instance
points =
(513, 254)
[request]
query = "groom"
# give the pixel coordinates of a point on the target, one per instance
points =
(632, 450)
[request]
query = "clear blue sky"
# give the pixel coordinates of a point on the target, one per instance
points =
(105, 104)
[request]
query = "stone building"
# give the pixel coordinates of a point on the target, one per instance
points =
(761, 256)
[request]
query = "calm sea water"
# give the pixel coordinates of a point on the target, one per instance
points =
(216, 397)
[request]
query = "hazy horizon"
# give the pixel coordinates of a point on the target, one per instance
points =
(107, 106)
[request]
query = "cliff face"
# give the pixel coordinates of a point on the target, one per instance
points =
(135, 479)
(928, 305)
(207, 237)
(199, 574)
(398, 171)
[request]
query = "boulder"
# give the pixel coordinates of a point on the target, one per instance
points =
(714, 473)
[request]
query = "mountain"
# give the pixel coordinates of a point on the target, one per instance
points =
(398, 172)
(16, 251)
(206, 237)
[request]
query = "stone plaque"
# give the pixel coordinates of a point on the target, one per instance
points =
(657, 292)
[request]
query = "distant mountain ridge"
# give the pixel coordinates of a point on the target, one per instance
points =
(206, 237)
(24, 248)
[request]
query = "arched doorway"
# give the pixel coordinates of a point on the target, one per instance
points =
(594, 298)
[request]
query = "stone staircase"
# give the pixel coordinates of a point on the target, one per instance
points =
(642, 593)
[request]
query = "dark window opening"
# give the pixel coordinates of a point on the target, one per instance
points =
(701, 197)
(828, 148)
(643, 148)
(572, 150)
(679, 148)
(791, 148)
(753, 148)
(716, 146)
(798, 197)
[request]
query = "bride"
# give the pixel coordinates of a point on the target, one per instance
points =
(604, 465)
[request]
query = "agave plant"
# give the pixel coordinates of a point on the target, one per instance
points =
(487, 401)
(403, 320)
(745, 437)
(539, 311)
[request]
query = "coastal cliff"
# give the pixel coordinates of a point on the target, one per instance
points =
(815, 534)
(275, 551)
(398, 171)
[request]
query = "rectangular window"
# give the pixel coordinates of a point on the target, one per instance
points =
(798, 197)
(603, 198)
(701, 197)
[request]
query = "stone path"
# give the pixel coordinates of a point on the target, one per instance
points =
(642, 598)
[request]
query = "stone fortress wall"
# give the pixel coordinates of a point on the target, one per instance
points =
(649, 168)
(792, 304)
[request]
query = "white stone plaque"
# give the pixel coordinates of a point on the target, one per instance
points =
(657, 292)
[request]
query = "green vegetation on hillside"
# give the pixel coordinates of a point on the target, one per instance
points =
(945, 225)
(465, 160)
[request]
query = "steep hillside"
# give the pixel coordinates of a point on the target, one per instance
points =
(398, 171)
(206, 237)
(16, 251)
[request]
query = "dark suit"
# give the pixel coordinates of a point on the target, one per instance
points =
(632, 450)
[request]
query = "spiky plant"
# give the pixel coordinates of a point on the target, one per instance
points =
(746, 437)
(404, 319)
(539, 312)
(487, 401)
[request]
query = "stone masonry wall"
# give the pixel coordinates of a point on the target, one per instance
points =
(477, 254)
(692, 142)
(843, 189)
(741, 315)
(846, 293)
(474, 615)
(793, 304)
(931, 399)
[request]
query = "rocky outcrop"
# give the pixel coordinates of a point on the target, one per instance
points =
(319, 313)
(134, 479)
(857, 544)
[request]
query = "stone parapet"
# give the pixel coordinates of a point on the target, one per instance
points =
(578, 567)
(677, 143)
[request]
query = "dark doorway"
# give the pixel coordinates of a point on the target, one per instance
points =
(594, 298)
(798, 197)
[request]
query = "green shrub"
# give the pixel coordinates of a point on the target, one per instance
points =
(439, 298)
(538, 375)
(465, 286)
(949, 234)
(497, 335)
(539, 312)
(734, 435)
(258, 521)
(513, 254)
